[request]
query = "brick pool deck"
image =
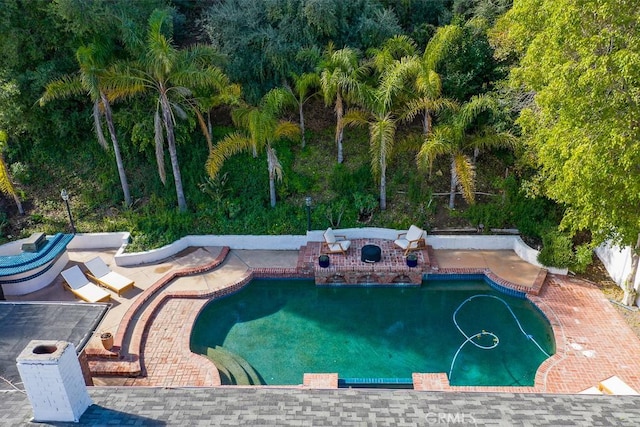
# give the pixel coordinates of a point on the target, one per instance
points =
(593, 342)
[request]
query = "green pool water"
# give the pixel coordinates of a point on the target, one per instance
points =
(273, 331)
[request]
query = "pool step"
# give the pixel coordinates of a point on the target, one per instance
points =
(235, 368)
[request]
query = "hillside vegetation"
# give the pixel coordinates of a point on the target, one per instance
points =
(173, 118)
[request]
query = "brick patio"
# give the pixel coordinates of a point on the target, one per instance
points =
(592, 341)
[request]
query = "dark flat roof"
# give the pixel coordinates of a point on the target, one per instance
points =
(21, 322)
(231, 406)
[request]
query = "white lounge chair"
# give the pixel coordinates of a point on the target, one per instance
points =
(101, 273)
(413, 239)
(614, 385)
(77, 282)
(334, 244)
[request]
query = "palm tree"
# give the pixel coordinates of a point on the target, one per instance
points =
(259, 129)
(381, 114)
(92, 60)
(459, 135)
(6, 186)
(229, 94)
(340, 77)
(172, 75)
(428, 85)
(301, 93)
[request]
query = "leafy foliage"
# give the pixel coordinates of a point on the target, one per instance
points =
(263, 39)
(582, 62)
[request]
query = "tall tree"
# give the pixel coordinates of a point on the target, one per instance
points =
(172, 75)
(93, 60)
(340, 77)
(456, 137)
(303, 90)
(428, 84)
(260, 128)
(383, 105)
(581, 59)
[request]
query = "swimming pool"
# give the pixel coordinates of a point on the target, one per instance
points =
(273, 331)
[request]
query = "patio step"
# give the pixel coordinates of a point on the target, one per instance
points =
(235, 368)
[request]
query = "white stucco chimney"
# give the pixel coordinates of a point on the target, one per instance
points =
(53, 380)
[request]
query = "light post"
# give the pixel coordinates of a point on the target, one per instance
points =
(65, 197)
(307, 202)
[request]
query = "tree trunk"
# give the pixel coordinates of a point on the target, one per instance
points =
(173, 154)
(116, 150)
(301, 113)
(630, 293)
(426, 122)
(272, 181)
(18, 204)
(454, 184)
(339, 126)
(383, 187)
(209, 128)
(96, 124)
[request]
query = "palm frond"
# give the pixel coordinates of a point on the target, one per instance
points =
(287, 129)
(161, 55)
(439, 45)
(490, 139)
(275, 168)
(472, 109)
(429, 83)
(393, 81)
(304, 84)
(6, 186)
(124, 80)
(356, 117)
(273, 101)
(203, 127)
(466, 176)
(230, 145)
(64, 87)
(438, 143)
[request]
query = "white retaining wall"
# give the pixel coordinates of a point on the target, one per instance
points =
(99, 240)
(294, 242)
(287, 242)
(617, 261)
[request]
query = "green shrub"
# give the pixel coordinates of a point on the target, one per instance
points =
(556, 250)
(345, 181)
(365, 204)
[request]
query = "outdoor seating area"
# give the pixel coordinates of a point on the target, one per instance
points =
(335, 244)
(100, 276)
(368, 261)
(76, 282)
(103, 275)
(411, 240)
